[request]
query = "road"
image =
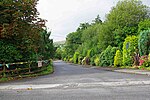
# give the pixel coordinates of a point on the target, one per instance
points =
(74, 82)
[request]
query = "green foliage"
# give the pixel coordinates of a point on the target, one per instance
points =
(129, 46)
(147, 62)
(65, 59)
(118, 59)
(80, 59)
(90, 39)
(106, 57)
(58, 53)
(144, 25)
(71, 60)
(49, 69)
(92, 61)
(144, 42)
(97, 61)
(94, 39)
(73, 41)
(111, 55)
(22, 33)
(97, 20)
(90, 53)
(105, 36)
(47, 50)
(75, 57)
(9, 52)
(123, 20)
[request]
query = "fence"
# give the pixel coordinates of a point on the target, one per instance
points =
(23, 69)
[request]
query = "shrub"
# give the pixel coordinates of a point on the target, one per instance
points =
(85, 61)
(143, 59)
(146, 64)
(9, 52)
(90, 53)
(129, 46)
(144, 25)
(96, 61)
(102, 59)
(104, 56)
(118, 59)
(71, 60)
(64, 59)
(146, 61)
(58, 53)
(92, 61)
(80, 59)
(75, 57)
(111, 55)
(107, 56)
(144, 42)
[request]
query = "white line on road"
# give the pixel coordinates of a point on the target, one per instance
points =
(74, 85)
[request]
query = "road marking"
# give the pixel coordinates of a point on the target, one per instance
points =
(74, 85)
(142, 72)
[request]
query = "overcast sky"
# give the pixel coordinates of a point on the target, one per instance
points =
(64, 16)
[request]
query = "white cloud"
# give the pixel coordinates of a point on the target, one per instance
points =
(64, 16)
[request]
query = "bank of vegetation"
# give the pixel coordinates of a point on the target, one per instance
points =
(122, 40)
(23, 35)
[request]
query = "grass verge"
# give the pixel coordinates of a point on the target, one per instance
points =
(49, 70)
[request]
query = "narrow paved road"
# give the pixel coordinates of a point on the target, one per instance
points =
(72, 82)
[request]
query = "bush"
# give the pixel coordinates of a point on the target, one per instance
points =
(129, 46)
(111, 55)
(90, 53)
(144, 42)
(92, 61)
(146, 61)
(86, 61)
(9, 53)
(144, 25)
(118, 59)
(104, 57)
(75, 57)
(58, 53)
(71, 60)
(97, 61)
(65, 59)
(107, 56)
(80, 59)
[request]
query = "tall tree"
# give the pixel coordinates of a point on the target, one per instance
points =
(20, 26)
(125, 17)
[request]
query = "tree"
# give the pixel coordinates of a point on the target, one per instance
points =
(129, 47)
(144, 25)
(144, 42)
(47, 48)
(20, 26)
(97, 20)
(105, 35)
(124, 19)
(118, 59)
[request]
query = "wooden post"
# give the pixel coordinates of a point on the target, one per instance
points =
(29, 67)
(4, 70)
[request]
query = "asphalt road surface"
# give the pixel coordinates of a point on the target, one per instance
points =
(74, 82)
